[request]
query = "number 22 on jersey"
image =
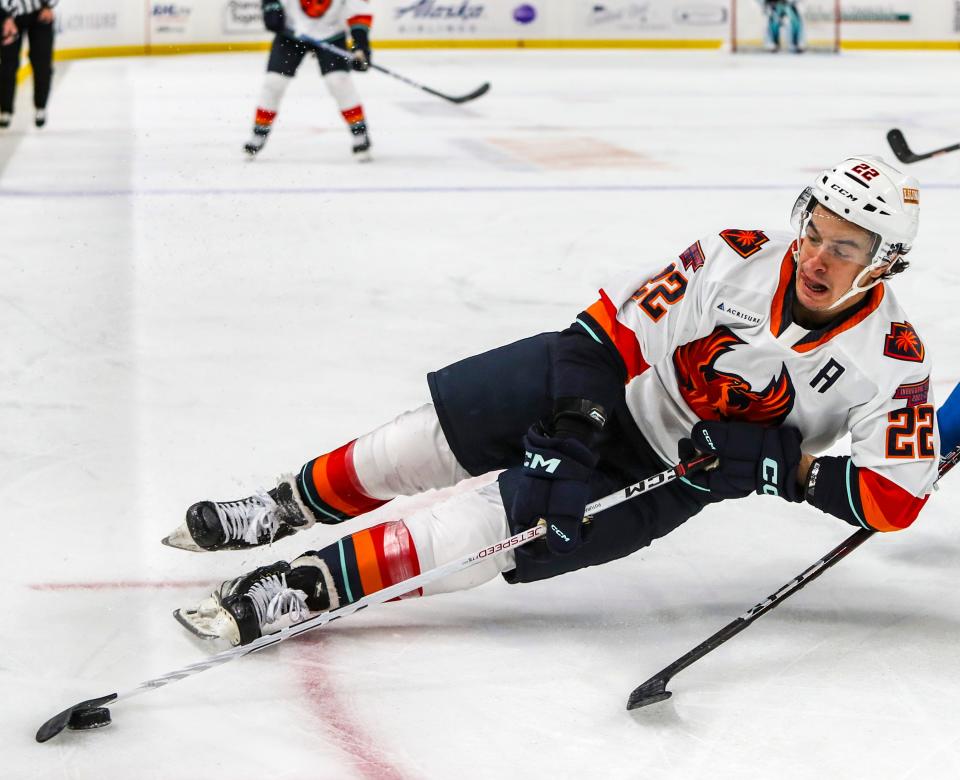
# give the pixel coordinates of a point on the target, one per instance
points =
(664, 289)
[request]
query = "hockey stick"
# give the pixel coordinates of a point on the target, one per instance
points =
(655, 689)
(902, 150)
(478, 92)
(78, 712)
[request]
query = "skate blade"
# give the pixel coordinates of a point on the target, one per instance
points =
(181, 540)
(207, 627)
(363, 157)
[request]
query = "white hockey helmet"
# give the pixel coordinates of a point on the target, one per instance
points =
(875, 196)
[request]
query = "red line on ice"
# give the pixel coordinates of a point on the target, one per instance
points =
(122, 585)
(367, 757)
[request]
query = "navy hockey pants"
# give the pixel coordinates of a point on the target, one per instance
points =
(486, 403)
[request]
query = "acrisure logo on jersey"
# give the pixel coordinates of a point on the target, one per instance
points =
(720, 395)
(744, 314)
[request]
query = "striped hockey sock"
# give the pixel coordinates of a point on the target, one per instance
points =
(263, 121)
(358, 129)
(369, 561)
(331, 489)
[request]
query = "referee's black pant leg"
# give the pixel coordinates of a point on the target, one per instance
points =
(9, 64)
(41, 60)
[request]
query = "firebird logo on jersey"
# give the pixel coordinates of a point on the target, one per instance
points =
(744, 242)
(693, 258)
(315, 8)
(903, 343)
(717, 395)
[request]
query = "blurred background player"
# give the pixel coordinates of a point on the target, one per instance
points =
(779, 12)
(318, 20)
(35, 19)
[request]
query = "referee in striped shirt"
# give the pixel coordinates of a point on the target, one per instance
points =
(33, 18)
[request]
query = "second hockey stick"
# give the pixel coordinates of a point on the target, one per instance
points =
(903, 152)
(478, 92)
(655, 689)
(77, 712)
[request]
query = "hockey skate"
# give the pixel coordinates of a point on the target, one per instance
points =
(361, 145)
(257, 141)
(264, 601)
(247, 522)
(5, 119)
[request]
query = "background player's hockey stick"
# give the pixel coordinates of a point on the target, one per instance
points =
(655, 689)
(478, 92)
(93, 712)
(900, 148)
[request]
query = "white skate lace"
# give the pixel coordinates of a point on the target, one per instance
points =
(248, 518)
(272, 599)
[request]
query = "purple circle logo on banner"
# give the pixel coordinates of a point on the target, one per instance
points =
(524, 14)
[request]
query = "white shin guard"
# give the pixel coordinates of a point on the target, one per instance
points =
(456, 527)
(406, 456)
(271, 94)
(341, 87)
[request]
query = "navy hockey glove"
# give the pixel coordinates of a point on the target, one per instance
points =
(361, 48)
(752, 459)
(273, 16)
(554, 486)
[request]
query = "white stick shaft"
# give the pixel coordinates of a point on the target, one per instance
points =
(406, 586)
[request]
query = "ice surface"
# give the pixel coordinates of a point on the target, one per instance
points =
(179, 323)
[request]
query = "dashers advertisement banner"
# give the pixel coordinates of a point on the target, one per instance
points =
(99, 24)
(163, 25)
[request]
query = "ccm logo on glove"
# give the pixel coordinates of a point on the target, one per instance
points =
(534, 460)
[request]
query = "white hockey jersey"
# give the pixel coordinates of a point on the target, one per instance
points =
(711, 337)
(325, 19)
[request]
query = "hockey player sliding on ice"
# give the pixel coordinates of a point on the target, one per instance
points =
(778, 12)
(321, 20)
(762, 348)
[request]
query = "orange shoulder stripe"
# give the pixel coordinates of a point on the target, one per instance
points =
(886, 505)
(624, 339)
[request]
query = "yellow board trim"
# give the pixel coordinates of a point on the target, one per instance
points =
(902, 45)
(574, 43)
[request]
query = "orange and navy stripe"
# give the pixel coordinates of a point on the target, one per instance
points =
(353, 115)
(604, 314)
(371, 560)
(331, 488)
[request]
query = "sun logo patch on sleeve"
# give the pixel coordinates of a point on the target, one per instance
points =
(903, 343)
(745, 243)
(693, 257)
(914, 394)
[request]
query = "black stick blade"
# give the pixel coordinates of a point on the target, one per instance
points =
(483, 89)
(59, 722)
(900, 147)
(652, 691)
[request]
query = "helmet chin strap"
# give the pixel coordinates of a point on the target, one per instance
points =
(855, 288)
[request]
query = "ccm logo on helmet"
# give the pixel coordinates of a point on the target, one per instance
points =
(842, 191)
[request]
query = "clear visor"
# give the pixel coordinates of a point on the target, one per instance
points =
(840, 238)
